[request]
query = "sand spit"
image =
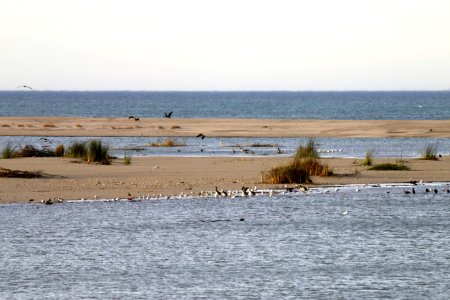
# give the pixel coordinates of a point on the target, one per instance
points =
(151, 127)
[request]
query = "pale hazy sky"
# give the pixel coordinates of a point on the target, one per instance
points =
(225, 44)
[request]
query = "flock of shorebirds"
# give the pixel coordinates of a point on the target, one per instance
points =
(241, 193)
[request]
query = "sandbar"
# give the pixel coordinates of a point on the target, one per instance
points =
(187, 175)
(165, 127)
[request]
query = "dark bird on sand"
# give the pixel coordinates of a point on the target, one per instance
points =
(201, 135)
(168, 115)
(134, 118)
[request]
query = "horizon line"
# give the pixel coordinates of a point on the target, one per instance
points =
(225, 91)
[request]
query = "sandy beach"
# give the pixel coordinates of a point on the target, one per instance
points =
(75, 126)
(70, 179)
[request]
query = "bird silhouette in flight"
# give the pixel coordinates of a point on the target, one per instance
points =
(168, 115)
(201, 135)
(25, 87)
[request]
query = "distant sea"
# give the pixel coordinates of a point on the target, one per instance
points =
(357, 105)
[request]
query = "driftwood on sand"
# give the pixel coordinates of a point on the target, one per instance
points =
(7, 173)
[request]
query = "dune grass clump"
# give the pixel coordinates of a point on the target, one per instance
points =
(309, 151)
(97, 152)
(368, 159)
(304, 164)
(93, 151)
(8, 151)
(287, 174)
(77, 150)
(127, 158)
(430, 152)
(59, 150)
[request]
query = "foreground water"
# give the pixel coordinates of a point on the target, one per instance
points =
(389, 245)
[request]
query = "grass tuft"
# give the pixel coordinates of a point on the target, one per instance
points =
(430, 152)
(8, 151)
(77, 150)
(97, 152)
(59, 150)
(304, 164)
(368, 160)
(92, 151)
(127, 158)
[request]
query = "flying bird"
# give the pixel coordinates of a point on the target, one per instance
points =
(168, 115)
(201, 135)
(25, 87)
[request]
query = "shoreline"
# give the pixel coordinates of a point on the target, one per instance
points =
(190, 175)
(165, 127)
(171, 176)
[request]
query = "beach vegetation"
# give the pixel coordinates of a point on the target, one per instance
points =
(77, 150)
(368, 159)
(59, 150)
(304, 164)
(93, 151)
(127, 158)
(97, 152)
(8, 151)
(430, 152)
(31, 151)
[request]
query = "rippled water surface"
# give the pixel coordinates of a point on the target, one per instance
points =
(327, 147)
(396, 105)
(388, 245)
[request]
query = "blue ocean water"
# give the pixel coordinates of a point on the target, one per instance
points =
(419, 105)
(388, 245)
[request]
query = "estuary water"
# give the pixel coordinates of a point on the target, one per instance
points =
(346, 243)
